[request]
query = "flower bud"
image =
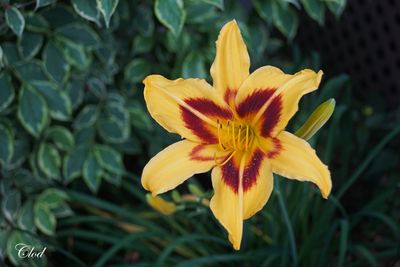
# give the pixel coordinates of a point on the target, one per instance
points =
(317, 119)
(161, 205)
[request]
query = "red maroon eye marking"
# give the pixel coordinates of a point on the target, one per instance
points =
(230, 175)
(276, 150)
(195, 154)
(197, 126)
(254, 102)
(230, 95)
(252, 170)
(209, 108)
(271, 116)
(230, 172)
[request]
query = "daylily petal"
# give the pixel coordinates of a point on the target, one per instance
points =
(232, 62)
(258, 88)
(242, 186)
(274, 115)
(176, 163)
(188, 107)
(297, 160)
(227, 206)
(257, 193)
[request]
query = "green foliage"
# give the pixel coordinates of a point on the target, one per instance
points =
(75, 135)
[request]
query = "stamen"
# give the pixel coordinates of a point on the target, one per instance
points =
(219, 136)
(239, 141)
(225, 161)
(247, 137)
(233, 135)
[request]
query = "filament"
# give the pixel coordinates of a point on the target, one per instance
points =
(225, 161)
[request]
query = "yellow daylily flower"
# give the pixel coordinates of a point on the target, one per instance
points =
(236, 128)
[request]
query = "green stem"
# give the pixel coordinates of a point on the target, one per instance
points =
(368, 160)
(286, 218)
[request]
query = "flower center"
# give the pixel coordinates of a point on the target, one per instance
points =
(233, 136)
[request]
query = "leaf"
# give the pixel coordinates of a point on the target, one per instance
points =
(136, 70)
(73, 163)
(10, 205)
(57, 100)
(79, 34)
(131, 146)
(52, 198)
(6, 145)
(107, 9)
(142, 44)
(117, 112)
(61, 137)
(36, 23)
(25, 217)
(336, 6)
(30, 71)
(15, 20)
(112, 178)
(143, 21)
(49, 160)
(4, 233)
(97, 87)
(194, 66)
(217, 3)
(87, 117)
(42, 3)
(11, 55)
(171, 13)
(92, 173)
(32, 110)
(109, 158)
(315, 9)
(200, 13)
(74, 88)
(7, 91)
(30, 44)
(14, 239)
(62, 211)
(59, 15)
(139, 118)
(76, 55)
(1, 58)
(87, 9)
(285, 20)
(21, 150)
(55, 65)
(84, 136)
(112, 131)
(45, 220)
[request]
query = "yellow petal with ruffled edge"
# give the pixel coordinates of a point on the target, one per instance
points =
(298, 160)
(284, 101)
(175, 164)
(256, 196)
(232, 62)
(188, 107)
(227, 207)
